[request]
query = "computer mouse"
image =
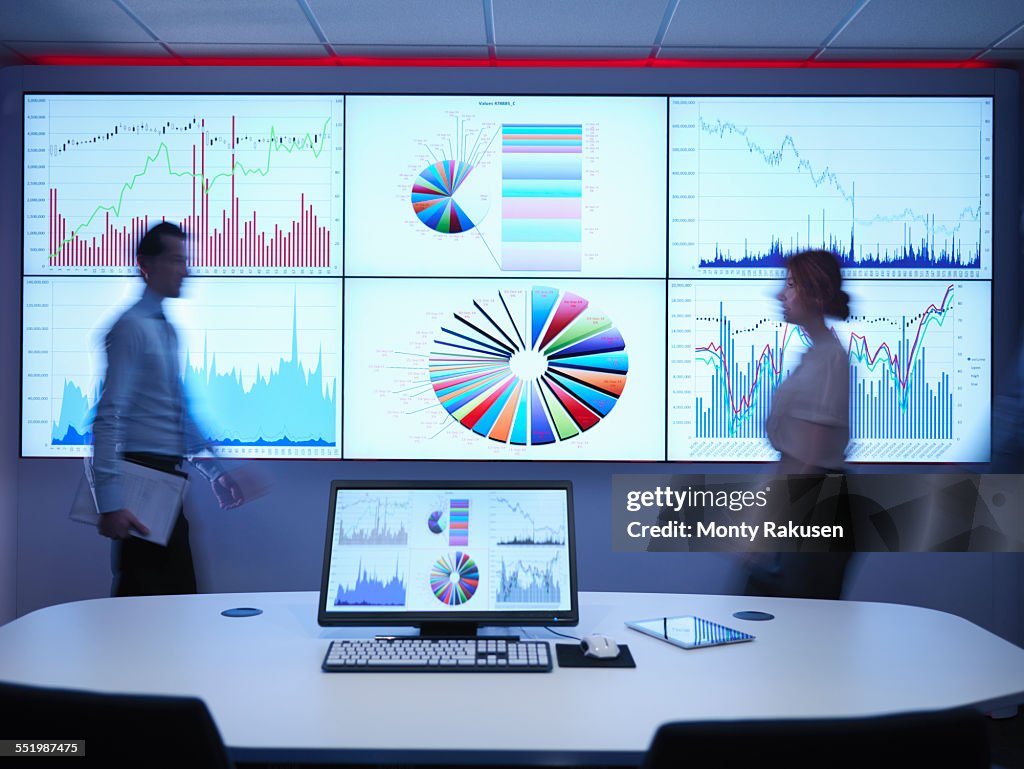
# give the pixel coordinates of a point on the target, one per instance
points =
(599, 647)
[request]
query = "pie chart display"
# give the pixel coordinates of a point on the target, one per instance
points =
(434, 197)
(531, 367)
(454, 581)
(435, 523)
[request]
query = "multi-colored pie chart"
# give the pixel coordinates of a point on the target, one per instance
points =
(434, 193)
(454, 581)
(434, 522)
(532, 367)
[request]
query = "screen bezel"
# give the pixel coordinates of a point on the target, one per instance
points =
(398, 618)
(869, 80)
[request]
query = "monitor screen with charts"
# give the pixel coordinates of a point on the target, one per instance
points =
(447, 554)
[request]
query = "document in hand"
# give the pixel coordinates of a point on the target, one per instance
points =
(153, 496)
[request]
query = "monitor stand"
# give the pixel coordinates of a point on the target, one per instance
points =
(457, 630)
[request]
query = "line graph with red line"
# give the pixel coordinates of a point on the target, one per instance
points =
(256, 182)
(918, 369)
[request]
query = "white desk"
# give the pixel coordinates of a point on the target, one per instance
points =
(261, 676)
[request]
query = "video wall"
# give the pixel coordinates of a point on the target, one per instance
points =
(514, 277)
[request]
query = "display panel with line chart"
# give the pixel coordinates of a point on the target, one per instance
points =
(476, 186)
(920, 376)
(505, 369)
(457, 550)
(899, 187)
(263, 384)
(255, 181)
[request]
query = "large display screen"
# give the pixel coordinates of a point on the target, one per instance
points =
(401, 553)
(464, 186)
(898, 187)
(515, 277)
(920, 379)
(260, 360)
(505, 369)
(255, 180)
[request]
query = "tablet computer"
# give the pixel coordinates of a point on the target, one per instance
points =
(689, 632)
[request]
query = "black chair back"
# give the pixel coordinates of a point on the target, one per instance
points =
(120, 730)
(956, 739)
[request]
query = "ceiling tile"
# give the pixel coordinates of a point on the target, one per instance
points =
(755, 23)
(931, 24)
(62, 48)
(68, 20)
(412, 22)
(737, 53)
(577, 22)
(413, 51)
(897, 54)
(225, 21)
(248, 50)
(572, 52)
(1016, 40)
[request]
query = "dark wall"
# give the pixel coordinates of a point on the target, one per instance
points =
(10, 336)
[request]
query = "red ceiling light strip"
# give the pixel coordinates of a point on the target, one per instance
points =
(170, 61)
(900, 64)
(366, 61)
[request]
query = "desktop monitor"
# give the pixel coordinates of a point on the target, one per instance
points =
(449, 556)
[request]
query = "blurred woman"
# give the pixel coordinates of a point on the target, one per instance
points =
(809, 425)
(809, 421)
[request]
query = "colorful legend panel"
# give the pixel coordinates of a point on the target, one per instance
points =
(542, 197)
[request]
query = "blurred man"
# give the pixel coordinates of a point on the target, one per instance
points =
(143, 416)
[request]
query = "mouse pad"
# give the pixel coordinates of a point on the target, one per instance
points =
(572, 656)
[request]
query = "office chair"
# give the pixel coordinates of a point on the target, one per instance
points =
(120, 730)
(956, 738)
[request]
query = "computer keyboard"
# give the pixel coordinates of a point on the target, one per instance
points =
(416, 655)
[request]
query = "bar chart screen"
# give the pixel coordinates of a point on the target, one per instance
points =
(897, 187)
(254, 181)
(919, 369)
